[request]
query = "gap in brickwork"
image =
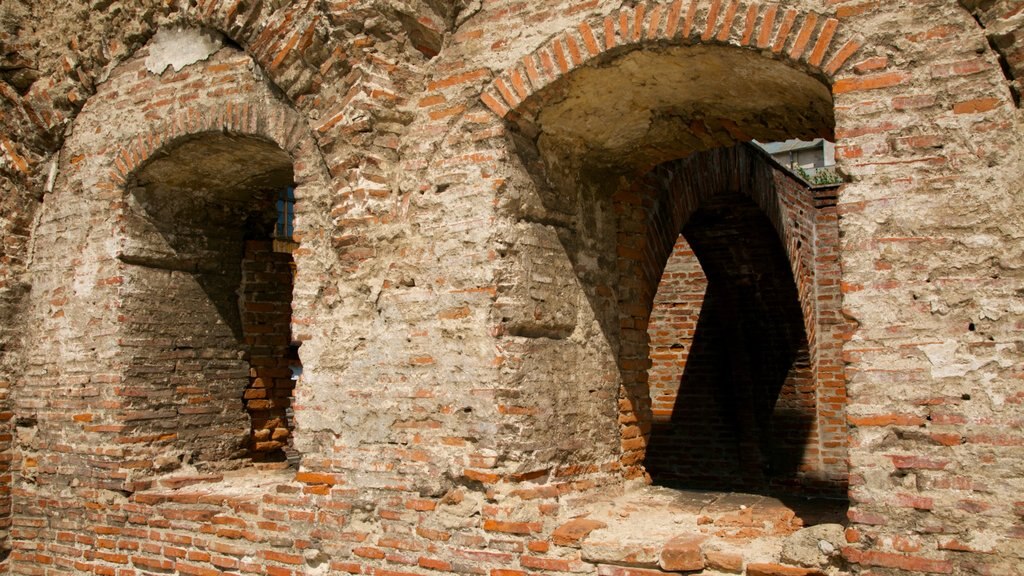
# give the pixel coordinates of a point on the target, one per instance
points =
(743, 375)
(995, 18)
(210, 306)
(750, 397)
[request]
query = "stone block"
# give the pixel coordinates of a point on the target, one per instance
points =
(683, 553)
(570, 533)
(768, 569)
(724, 561)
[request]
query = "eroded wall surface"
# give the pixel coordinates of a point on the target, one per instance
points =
(458, 293)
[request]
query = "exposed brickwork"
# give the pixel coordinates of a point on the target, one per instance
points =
(795, 34)
(474, 351)
(175, 387)
(266, 297)
(14, 229)
(752, 391)
(674, 318)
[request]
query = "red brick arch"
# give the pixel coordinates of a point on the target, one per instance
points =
(279, 126)
(119, 145)
(805, 38)
(812, 42)
(282, 126)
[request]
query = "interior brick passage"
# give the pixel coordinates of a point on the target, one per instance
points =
(210, 319)
(741, 322)
(266, 320)
(674, 318)
(732, 388)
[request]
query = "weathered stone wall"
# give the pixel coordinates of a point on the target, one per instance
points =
(464, 400)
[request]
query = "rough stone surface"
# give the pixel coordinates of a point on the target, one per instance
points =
(814, 546)
(724, 561)
(488, 195)
(575, 530)
(179, 48)
(780, 570)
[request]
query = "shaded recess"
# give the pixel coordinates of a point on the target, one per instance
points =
(1001, 22)
(743, 407)
(207, 307)
(650, 106)
(758, 404)
(626, 153)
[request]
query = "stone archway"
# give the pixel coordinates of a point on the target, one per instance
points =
(764, 382)
(601, 104)
(88, 306)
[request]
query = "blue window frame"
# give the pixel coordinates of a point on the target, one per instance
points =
(285, 227)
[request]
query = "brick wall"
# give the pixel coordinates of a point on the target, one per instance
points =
(266, 297)
(14, 229)
(155, 380)
(191, 328)
(674, 318)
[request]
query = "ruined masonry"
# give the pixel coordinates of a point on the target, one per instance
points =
(502, 288)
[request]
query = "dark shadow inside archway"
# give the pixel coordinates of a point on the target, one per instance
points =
(207, 310)
(625, 155)
(622, 155)
(742, 415)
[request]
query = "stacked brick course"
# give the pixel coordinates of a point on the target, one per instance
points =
(266, 295)
(674, 319)
(472, 291)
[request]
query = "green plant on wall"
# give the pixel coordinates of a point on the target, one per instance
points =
(820, 178)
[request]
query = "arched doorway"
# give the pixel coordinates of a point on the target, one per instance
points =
(736, 330)
(207, 319)
(590, 138)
